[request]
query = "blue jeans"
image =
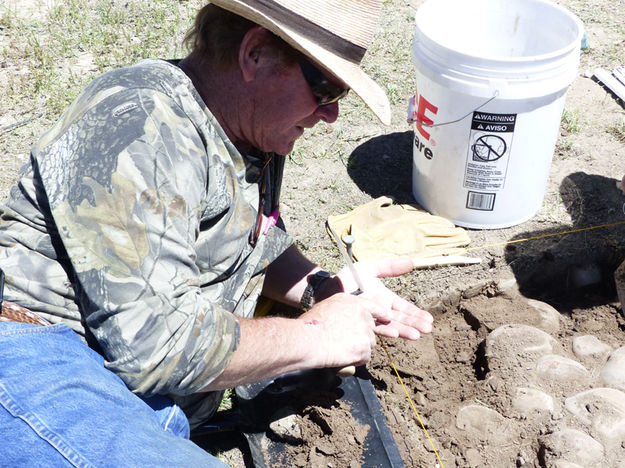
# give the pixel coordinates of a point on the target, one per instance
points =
(59, 406)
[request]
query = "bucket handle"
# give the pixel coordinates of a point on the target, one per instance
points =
(412, 113)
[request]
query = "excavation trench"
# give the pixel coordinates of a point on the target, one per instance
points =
(499, 382)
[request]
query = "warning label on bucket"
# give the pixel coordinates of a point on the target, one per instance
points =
(490, 141)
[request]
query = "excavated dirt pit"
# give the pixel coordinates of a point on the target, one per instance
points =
(509, 381)
(503, 380)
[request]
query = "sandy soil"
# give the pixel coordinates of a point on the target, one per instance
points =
(449, 375)
(570, 273)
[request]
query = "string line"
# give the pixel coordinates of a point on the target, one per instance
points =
(388, 355)
(516, 241)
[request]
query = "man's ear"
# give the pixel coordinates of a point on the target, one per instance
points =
(251, 51)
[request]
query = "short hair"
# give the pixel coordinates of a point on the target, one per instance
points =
(218, 33)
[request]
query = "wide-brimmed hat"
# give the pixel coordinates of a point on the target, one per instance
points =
(334, 33)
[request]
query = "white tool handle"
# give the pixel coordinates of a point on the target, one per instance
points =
(429, 262)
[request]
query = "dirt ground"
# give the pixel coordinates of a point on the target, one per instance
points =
(340, 166)
(571, 272)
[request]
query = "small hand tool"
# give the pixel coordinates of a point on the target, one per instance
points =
(348, 370)
(430, 262)
(349, 240)
(348, 261)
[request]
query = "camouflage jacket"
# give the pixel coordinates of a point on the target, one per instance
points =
(135, 224)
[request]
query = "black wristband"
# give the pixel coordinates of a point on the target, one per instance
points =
(314, 282)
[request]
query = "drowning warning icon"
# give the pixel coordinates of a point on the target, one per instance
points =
(489, 148)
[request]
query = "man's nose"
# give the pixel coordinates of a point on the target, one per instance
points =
(328, 113)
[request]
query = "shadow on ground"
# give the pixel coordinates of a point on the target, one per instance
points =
(383, 166)
(576, 268)
(566, 270)
(222, 442)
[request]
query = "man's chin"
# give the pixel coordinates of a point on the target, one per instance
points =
(285, 148)
(285, 145)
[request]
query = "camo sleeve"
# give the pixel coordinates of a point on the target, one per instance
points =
(126, 178)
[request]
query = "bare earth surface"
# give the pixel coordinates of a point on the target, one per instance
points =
(525, 366)
(491, 391)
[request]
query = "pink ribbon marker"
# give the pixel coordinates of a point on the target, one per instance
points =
(271, 220)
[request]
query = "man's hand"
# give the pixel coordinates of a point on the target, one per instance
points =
(337, 332)
(406, 320)
(344, 327)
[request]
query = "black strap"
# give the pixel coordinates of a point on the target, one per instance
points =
(1, 286)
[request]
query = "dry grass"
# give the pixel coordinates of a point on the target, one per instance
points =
(49, 50)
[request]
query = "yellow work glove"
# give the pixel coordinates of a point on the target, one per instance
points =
(382, 230)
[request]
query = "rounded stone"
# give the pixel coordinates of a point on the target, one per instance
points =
(613, 373)
(507, 286)
(564, 464)
(286, 427)
(511, 352)
(589, 346)
(547, 317)
(509, 341)
(595, 399)
(528, 400)
(573, 446)
(479, 420)
(603, 409)
(561, 369)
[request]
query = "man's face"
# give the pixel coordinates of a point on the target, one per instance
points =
(284, 106)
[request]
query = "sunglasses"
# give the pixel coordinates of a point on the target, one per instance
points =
(324, 90)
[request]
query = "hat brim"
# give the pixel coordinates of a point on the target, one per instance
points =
(348, 72)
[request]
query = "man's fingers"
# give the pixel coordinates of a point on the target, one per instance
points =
(397, 330)
(419, 321)
(388, 331)
(393, 266)
(410, 320)
(381, 315)
(402, 305)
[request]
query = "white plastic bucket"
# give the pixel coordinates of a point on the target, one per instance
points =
(491, 79)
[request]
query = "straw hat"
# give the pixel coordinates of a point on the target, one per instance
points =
(334, 33)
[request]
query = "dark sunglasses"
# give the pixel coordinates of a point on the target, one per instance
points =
(324, 90)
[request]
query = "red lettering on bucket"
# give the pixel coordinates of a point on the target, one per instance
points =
(424, 105)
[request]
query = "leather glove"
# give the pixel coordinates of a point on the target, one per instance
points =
(382, 229)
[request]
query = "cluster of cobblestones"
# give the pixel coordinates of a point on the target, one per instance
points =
(577, 392)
